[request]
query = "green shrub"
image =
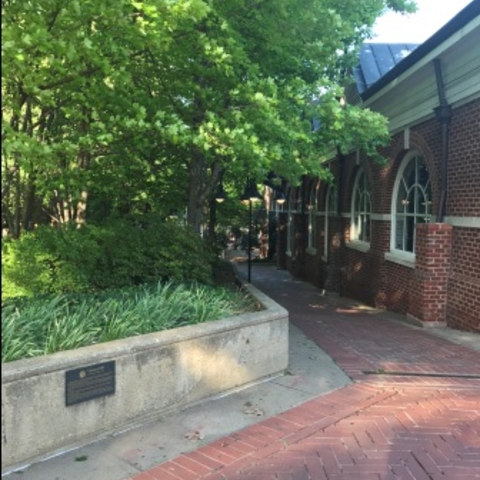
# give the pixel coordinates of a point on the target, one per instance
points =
(48, 260)
(145, 249)
(118, 254)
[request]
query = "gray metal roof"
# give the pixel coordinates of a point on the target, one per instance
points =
(469, 13)
(376, 59)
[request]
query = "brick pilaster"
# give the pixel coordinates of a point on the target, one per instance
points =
(428, 290)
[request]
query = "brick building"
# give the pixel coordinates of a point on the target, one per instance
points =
(404, 236)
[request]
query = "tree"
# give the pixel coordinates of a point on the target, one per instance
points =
(73, 111)
(117, 105)
(253, 75)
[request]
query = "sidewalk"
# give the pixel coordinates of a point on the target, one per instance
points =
(421, 421)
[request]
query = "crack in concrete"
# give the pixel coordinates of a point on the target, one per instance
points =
(421, 374)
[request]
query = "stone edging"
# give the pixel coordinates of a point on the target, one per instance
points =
(154, 374)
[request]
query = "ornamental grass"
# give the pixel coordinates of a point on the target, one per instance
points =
(47, 324)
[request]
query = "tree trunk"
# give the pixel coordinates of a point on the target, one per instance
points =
(200, 188)
(212, 221)
(17, 203)
(29, 207)
(82, 208)
(83, 163)
(195, 197)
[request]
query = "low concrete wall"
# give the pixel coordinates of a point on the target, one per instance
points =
(155, 373)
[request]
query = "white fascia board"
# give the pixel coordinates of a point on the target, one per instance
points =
(436, 52)
(465, 222)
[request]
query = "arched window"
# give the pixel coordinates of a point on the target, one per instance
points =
(411, 202)
(312, 216)
(330, 209)
(361, 209)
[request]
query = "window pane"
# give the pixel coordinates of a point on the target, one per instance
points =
(331, 200)
(401, 198)
(428, 199)
(368, 203)
(413, 203)
(419, 201)
(363, 182)
(428, 189)
(423, 176)
(409, 174)
(409, 234)
(399, 232)
(358, 201)
(366, 229)
(360, 228)
(410, 207)
(423, 206)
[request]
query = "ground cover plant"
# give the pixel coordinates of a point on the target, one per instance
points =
(46, 324)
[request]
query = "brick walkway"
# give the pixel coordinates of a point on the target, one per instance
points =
(412, 413)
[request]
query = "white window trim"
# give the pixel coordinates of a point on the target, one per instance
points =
(381, 217)
(466, 222)
(407, 259)
(355, 240)
(358, 245)
(395, 254)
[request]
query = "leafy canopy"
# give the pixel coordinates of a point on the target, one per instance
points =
(124, 103)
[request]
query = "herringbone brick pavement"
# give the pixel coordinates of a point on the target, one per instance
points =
(413, 413)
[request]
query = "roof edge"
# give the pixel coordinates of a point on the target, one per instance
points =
(464, 17)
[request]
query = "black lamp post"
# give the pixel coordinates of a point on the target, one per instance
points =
(249, 196)
(220, 195)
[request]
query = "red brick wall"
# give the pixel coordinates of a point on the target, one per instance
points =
(368, 276)
(428, 291)
(463, 302)
(464, 162)
(359, 276)
(314, 270)
(397, 279)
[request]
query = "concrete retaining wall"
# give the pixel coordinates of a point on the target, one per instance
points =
(155, 373)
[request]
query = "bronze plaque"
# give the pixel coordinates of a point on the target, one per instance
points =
(87, 383)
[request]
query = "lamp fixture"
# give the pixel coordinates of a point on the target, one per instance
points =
(280, 197)
(251, 193)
